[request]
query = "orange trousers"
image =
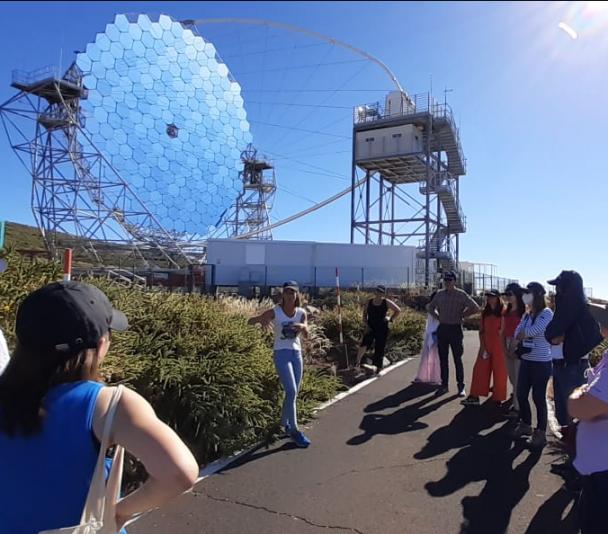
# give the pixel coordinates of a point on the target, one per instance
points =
(493, 367)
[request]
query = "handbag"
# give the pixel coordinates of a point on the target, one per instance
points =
(99, 513)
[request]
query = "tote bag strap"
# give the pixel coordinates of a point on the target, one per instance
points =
(95, 504)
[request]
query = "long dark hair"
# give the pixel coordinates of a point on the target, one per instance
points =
(538, 304)
(521, 307)
(488, 310)
(27, 379)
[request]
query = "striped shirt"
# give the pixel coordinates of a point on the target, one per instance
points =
(449, 306)
(535, 331)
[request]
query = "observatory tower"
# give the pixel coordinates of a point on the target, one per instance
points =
(252, 208)
(410, 153)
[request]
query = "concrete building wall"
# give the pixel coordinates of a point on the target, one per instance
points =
(312, 264)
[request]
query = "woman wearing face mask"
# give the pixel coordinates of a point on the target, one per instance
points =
(536, 367)
(490, 363)
(511, 318)
(289, 322)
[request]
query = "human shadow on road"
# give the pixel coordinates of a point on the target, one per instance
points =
(489, 457)
(465, 426)
(257, 454)
(409, 393)
(405, 419)
(549, 517)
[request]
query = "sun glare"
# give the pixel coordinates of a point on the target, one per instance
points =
(568, 29)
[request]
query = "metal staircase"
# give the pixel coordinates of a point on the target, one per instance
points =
(444, 186)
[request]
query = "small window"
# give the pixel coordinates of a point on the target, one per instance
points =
(368, 139)
(396, 135)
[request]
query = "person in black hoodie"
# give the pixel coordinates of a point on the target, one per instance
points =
(573, 325)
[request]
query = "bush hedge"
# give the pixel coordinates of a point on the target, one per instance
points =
(206, 372)
(405, 334)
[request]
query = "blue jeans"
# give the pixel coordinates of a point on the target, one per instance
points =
(533, 376)
(289, 368)
(566, 378)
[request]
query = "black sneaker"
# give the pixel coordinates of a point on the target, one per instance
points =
(564, 468)
(441, 391)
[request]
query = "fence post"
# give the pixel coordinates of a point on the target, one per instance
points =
(67, 265)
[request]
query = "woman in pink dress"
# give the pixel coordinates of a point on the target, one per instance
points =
(429, 370)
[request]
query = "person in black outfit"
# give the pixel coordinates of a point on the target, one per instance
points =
(574, 326)
(376, 320)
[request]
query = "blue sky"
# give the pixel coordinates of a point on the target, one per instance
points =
(531, 103)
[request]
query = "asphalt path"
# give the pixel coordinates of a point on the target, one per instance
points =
(390, 458)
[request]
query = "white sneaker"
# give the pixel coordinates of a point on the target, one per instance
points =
(371, 369)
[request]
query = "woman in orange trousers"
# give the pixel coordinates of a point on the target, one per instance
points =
(490, 360)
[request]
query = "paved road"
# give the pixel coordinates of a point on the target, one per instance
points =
(392, 458)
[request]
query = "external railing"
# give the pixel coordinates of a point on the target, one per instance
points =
(23, 77)
(419, 103)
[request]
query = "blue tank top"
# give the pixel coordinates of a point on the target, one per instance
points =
(45, 478)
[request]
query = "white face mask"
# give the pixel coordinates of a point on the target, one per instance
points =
(528, 299)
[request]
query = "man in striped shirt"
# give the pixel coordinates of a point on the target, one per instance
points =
(450, 306)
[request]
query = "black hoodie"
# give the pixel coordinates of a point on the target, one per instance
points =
(572, 318)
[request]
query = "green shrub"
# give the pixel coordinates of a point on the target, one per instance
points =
(206, 373)
(597, 353)
(405, 335)
(21, 277)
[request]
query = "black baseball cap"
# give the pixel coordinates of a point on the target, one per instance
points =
(534, 287)
(513, 287)
(449, 275)
(492, 293)
(66, 317)
(381, 289)
(564, 278)
(291, 284)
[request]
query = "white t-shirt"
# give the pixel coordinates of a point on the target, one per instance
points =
(592, 436)
(285, 336)
(4, 355)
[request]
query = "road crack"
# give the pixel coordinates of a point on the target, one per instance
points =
(275, 512)
(382, 467)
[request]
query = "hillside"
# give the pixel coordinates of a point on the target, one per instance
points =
(28, 241)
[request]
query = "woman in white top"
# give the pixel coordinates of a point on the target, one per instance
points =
(289, 322)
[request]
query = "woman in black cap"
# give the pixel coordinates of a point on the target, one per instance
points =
(290, 323)
(511, 318)
(535, 368)
(53, 410)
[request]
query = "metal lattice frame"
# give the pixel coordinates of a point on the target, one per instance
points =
(250, 215)
(77, 195)
(409, 205)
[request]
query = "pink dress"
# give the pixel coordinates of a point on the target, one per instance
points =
(429, 371)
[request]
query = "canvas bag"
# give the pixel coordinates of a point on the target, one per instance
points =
(99, 513)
